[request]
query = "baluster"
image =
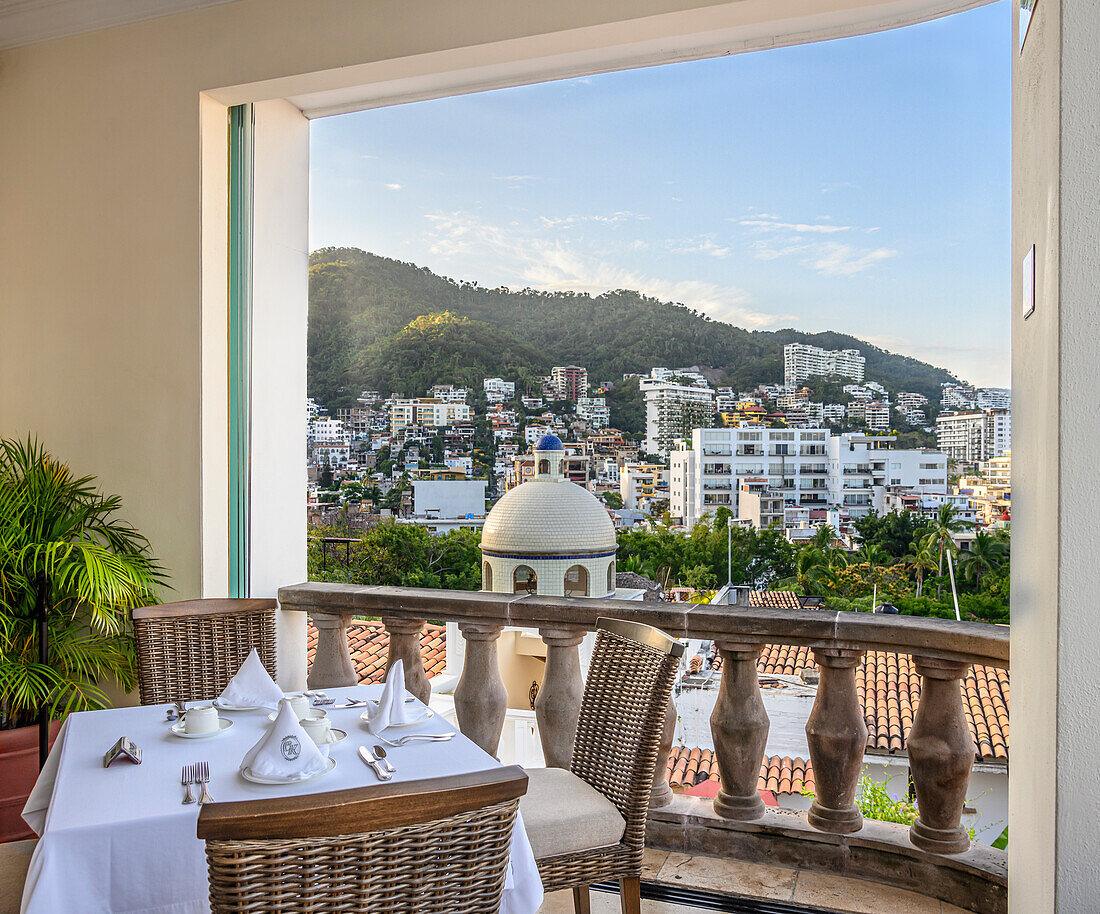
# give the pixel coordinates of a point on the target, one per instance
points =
(739, 725)
(558, 705)
(481, 701)
(332, 666)
(661, 794)
(941, 754)
(837, 736)
(405, 646)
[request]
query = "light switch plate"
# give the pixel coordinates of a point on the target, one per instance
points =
(1029, 283)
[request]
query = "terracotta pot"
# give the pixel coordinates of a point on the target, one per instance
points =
(18, 772)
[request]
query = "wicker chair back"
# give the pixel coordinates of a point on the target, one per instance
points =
(189, 651)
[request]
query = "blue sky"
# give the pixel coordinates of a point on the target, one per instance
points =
(860, 185)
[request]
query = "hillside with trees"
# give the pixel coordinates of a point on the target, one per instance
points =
(363, 312)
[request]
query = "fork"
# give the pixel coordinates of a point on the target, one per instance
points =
(187, 778)
(203, 777)
(416, 737)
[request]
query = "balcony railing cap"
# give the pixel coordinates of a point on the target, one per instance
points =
(944, 639)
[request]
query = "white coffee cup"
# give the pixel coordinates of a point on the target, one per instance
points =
(318, 728)
(203, 719)
(300, 705)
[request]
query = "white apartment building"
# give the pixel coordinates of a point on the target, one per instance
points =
(833, 413)
(801, 361)
(641, 483)
(427, 411)
(858, 464)
(325, 428)
(532, 402)
(449, 393)
(971, 437)
(497, 390)
(877, 416)
(673, 411)
(911, 400)
(721, 461)
(594, 411)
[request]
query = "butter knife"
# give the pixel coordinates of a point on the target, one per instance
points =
(372, 762)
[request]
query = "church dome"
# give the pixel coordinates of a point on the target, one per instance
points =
(549, 443)
(548, 517)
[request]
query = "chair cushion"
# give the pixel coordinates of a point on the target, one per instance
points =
(565, 815)
(15, 858)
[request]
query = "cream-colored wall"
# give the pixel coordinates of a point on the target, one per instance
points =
(1035, 467)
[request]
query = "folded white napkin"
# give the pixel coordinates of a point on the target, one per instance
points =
(285, 750)
(391, 709)
(252, 686)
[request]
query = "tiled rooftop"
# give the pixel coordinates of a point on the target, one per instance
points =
(689, 767)
(775, 599)
(889, 687)
(368, 643)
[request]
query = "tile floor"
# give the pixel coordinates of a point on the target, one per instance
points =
(819, 890)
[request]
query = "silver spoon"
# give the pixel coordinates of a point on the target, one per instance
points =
(380, 753)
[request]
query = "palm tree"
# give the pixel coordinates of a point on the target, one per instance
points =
(942, 535)
(872, 554)
(984, 557)
(922, 558)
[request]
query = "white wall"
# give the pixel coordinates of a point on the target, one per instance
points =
(280, 298)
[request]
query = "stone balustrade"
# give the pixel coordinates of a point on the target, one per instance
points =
(940, 747)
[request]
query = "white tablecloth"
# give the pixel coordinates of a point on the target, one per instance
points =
(120, 840)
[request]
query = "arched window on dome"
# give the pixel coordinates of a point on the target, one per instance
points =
(576, 581)
(524, 580)
(486, 576)
(544, 467)
(610, 576)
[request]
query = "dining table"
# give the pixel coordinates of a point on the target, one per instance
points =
(119, 839)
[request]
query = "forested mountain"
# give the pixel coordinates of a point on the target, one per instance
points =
(382, 324)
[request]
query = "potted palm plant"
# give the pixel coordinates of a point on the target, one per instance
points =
(70, 572)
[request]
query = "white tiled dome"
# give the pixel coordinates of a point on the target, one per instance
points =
(548, 517)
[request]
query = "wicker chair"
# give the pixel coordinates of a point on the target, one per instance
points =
(587, 824)
(189, 651)
(437, 846)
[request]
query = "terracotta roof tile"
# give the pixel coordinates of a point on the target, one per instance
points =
(776, 599)
(688, 768)
(368, 644)
(888, 685)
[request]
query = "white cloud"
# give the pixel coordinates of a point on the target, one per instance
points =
(844, 260)
(771, 225)
(532, 257)
(830, 258)
(394, 186)
(616, 218)
(704, 245)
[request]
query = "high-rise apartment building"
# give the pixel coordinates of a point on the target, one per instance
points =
(809, 468)
(497, 390)
(801, 361)
(672, 412)
(722, 461)
(970, 437)
(427, 411)
(594, 411)
(570, 381)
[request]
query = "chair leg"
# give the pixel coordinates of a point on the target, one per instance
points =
(580, 900)
(630, 893)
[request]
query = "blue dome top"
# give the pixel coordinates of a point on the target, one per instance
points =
(549, 443)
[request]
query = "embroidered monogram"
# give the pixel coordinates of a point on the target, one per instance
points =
(290, 747)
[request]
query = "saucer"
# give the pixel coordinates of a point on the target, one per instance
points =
(225, 706)
(223, 725)
(247, 774)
